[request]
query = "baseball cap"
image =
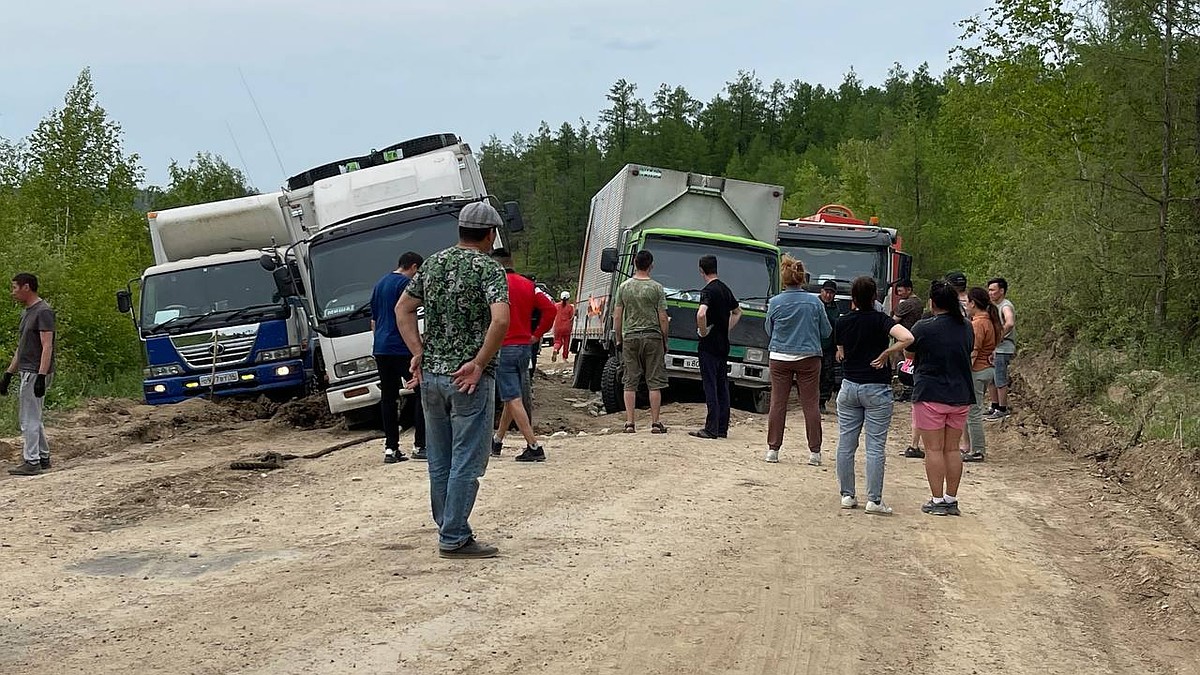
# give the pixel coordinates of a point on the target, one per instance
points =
(956, 278)
(565, 295)
(479, 216)
(830, 284)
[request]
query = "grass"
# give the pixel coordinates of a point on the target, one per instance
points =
(71, 389)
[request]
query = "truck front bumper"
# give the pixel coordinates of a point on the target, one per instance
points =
(229, 382)
(346, 397)
(687, 367)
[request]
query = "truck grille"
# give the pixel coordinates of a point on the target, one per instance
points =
(231, 347)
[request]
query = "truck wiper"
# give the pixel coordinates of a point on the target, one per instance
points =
(238, 313)
(683, 292)
(159, 326)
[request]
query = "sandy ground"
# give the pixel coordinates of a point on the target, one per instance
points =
(142, 552)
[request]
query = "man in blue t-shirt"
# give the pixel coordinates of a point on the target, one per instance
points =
(392, 358)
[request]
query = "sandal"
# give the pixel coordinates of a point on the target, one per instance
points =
(658, 428)
(914, 452)
(630, 428)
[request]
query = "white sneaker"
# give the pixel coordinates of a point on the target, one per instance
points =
(849, 502)
(773, 456)
(814, 458)
(878, 508)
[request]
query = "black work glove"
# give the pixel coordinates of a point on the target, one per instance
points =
(5, 379)
(39, 386)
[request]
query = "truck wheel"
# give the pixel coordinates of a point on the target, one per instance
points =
(612, 390)
(588, 371)
(754, 400)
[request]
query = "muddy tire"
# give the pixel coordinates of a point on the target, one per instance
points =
(757, 400)
(612, 389)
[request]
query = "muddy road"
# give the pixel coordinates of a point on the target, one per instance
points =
(143, 552)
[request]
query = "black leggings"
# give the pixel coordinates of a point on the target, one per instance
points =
(393, 371)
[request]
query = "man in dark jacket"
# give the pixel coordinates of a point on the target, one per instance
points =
(828, 346)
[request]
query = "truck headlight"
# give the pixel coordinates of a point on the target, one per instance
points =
(756, 356)
(356, 367)
(278, 354)
(163, 371)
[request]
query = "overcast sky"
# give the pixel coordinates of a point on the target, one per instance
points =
(335, 78)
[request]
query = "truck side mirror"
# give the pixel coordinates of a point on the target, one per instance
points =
(905, 266)
(285, 284)
(512, 213)
(268, 262)
(124, 302)
(608, 260)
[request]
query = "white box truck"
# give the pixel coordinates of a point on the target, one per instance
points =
(350, 221)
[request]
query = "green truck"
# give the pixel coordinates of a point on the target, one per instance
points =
(679, 217)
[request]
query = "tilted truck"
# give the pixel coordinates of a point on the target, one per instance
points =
(349, 222)
(210, 318)
(678, 217)
(835, 245)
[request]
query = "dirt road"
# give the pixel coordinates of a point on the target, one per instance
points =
(621, 554)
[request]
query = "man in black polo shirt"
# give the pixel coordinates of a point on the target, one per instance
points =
(719, 312)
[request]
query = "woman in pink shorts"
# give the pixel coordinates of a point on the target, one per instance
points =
(942, 394)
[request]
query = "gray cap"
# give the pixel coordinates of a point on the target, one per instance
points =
(479, 216)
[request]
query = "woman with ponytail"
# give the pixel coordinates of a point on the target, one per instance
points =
(985, 323)
(943, 390)
(796, 324)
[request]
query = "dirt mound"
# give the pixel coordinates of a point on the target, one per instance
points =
(311, 412)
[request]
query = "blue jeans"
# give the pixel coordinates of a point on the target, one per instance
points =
(859, 405)
(458, 434)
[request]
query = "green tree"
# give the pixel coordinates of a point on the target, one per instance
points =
(206, 178)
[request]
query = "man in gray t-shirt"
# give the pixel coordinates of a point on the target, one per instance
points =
(33, 365)
(1006, 349)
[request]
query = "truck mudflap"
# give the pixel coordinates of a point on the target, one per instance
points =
(252, 379)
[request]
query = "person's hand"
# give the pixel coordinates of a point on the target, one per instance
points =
(466, 378)
(840, 355)
(880, 361)
(534, 340)
(414, 369)
(39, 386)
(5, 380)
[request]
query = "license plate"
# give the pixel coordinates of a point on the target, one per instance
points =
(219, 378)
(691, 363)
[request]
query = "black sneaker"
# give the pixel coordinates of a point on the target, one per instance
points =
(419, 453)
(391, 456)
(703, 433)
(952, 509)
(26, 469)
(497, 446)
(471, 549)
(44, 463)
(916, 453)
(934, 509)
(973, 457)
(533, 453)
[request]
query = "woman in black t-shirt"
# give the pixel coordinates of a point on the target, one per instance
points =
(864, 347)
(942, 393)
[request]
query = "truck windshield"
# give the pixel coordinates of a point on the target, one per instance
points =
(216, 290)
(752, 274)
(345, 270)
(836, 262)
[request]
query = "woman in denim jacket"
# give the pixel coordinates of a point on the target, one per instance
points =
(796, 324)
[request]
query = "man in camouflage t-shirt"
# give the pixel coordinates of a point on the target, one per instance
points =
(465, 295)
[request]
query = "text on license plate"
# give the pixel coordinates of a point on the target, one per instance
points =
(691, 363)
(219, 378)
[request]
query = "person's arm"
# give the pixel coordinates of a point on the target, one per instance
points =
(735, 316)
(618, 316)
(903, 338)
(549, 314)
(406, 321)
(466, 378)
(12, 365)
(1008, 320)
(826, 328)
(47, 352)
(664, 324)
(702, 321)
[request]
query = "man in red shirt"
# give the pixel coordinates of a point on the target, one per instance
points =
(513, 371)
(562, 326)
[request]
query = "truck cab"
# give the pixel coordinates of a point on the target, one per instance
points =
(679, 217)
(835, 245)
(210, 318)
(349, 222)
